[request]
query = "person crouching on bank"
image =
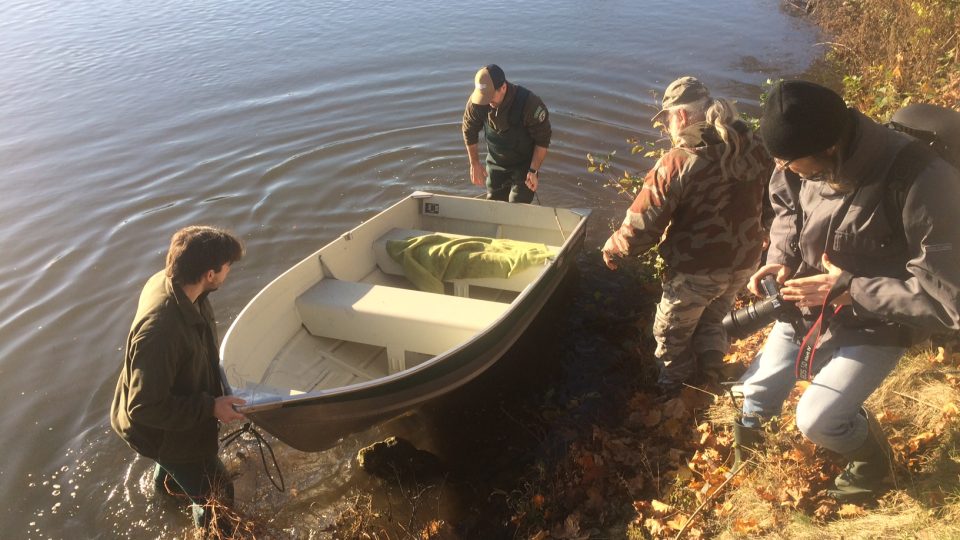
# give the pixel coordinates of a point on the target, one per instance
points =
(883, 274)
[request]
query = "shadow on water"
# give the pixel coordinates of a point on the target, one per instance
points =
(565, 373)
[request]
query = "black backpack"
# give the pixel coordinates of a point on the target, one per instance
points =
(936, 133)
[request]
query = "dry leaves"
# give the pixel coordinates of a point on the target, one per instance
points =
(851, 511)
(675, 467)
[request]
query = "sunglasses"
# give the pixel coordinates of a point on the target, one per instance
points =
(781, 165)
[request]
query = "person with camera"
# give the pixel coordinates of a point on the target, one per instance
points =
(702, 203)
(870, 272)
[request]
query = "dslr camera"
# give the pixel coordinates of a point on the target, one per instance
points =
(743, 322)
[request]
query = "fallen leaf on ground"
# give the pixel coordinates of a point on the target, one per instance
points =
(651, 418)
(950, 409)
(675, 408)
(660, 507)
(745, 526)
(850, 510)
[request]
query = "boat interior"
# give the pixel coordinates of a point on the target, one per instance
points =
(358, 318)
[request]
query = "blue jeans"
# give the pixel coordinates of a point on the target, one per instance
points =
(828, 411)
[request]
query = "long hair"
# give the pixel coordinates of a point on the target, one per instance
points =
(722, 115)
(196, 249)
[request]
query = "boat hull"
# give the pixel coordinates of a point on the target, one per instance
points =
(317, 421)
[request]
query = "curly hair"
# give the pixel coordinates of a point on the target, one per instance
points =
(196, 249)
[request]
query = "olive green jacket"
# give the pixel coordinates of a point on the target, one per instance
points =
(163, 405)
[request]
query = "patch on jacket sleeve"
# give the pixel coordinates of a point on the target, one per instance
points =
(540, 114)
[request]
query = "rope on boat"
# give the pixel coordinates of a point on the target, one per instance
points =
(261, 442)
(555, 217)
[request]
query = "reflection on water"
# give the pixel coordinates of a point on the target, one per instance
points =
(288, 122)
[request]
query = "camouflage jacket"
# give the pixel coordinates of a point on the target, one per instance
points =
(704, 222)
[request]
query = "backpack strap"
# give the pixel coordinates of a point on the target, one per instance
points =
(909, 162)
(792, 180)
(928, 137)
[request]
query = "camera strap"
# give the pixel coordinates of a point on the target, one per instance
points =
(808, 348)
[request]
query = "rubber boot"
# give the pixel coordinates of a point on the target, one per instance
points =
(869, 472)
(711, 367)
(673, 372)
(164, 484)
(710, 360)
(745, 440)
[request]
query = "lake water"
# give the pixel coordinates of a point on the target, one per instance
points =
(287, 122)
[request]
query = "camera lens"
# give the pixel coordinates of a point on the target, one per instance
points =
(747, 320)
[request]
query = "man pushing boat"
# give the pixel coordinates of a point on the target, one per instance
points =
(170, 397)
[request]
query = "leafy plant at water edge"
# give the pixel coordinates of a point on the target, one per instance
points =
(894, 52)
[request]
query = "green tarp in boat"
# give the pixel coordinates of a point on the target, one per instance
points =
(431, 259)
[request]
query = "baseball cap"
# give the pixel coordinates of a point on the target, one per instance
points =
(682, 91)
(486, 82)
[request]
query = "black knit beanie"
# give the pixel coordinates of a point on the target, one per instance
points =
(802, 118)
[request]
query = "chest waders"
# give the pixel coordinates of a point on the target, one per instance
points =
(509, 154)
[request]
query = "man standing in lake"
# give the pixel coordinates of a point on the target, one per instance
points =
(516, 125)
(170, 397)
(701, 203)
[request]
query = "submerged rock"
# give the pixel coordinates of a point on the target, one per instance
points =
(395, 458)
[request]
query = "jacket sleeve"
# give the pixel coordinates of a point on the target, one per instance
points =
(648, 216)
(784, 196)
(930, 297)
(153, 360)
(472, 123)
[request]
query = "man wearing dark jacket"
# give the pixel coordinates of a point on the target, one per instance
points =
(170, 396)
(873, 273)
(516, 125)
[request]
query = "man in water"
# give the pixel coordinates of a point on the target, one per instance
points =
(170, 397)
(516, 125)
(701, 202)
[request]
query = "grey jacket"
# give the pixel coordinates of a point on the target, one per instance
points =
(904, 285)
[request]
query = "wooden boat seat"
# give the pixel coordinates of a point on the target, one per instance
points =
(517, 282)
(400, 320)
